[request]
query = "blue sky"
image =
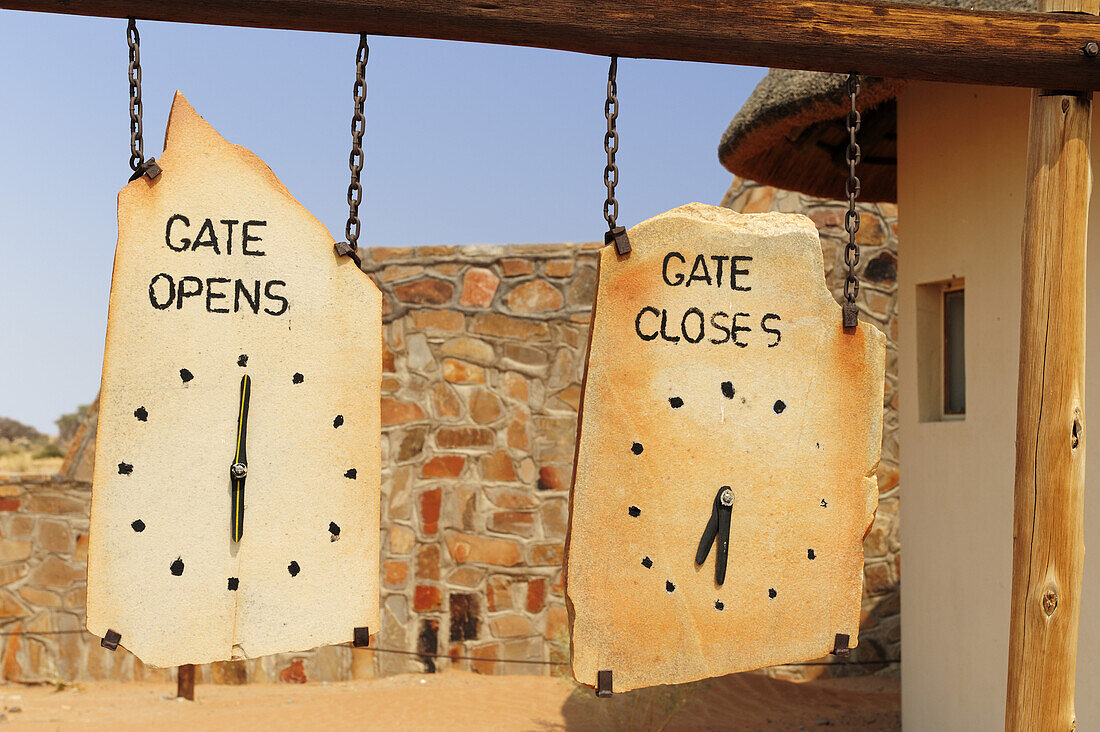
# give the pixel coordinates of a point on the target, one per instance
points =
(465, 144)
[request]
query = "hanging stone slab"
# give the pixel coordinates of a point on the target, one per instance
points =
(717, 359)
(220, 273)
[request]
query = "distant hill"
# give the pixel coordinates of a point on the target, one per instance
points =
(13, 430)
(23, 449)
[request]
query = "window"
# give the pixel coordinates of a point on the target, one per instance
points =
(954, 352)
(941, 350)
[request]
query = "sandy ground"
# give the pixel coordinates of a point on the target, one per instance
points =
(459, 700)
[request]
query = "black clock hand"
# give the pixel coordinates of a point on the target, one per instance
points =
(725, 508)
(718, 528)
(709, 533)
(238, 471)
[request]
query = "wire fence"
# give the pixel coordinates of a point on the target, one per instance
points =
(420, 654)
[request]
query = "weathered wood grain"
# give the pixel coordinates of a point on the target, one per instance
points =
(889, 39)
(1048, 525)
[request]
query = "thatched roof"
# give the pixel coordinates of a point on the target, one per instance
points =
(790, 133)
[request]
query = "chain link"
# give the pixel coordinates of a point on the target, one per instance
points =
(133, 40)
(355, 158)
(852, 155)
(611, 146)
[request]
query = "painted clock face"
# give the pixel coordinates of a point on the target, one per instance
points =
(724, 518)
(238, 470)
(726, 457)
(236, 486)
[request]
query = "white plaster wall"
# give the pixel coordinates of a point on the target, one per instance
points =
(960, 196)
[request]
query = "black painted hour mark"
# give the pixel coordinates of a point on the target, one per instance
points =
(141, 414)
(350, 473)
(125, 468)
(676, 402)
(233, 583)
(177, 567)
(298, 378)
(634, 511)
(719, 605)
(771, 593)
(810, 554)
(669, 587)
(727, 389)
(647, 562)
(779, 406)
(138, 526)
(824, 504)
(242, 360)
(186, 375)
(338, 421)
(334, 529)
(637, 448)
(294, 569)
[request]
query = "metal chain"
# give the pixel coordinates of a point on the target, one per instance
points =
(355, 158)
(615, 234)
(852, 156)
(138, 163)
(611, 146)
(133, 40)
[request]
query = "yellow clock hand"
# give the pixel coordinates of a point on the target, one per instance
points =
(238, 471)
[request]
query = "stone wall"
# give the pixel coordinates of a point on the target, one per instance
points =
(483, 361)
(483, 368)
(880, 626)
(43, 555)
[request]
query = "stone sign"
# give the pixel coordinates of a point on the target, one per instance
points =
(235, 500)
(725, 473)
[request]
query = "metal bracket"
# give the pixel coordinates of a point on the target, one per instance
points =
(344, 249)
(851, 314)
(617, 236)
(840, 645)
(149, 168)
(111, 640)
(603, 684)
(360, 637)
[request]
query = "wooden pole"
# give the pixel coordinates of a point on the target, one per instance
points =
(888, 39)
(185, 682)
(1048, 524)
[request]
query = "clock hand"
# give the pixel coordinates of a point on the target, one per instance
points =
(709, 533)
(725, 508)
(238, 471)
(718, 528)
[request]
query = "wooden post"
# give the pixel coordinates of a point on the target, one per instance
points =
(185, 682)
(1048, 525)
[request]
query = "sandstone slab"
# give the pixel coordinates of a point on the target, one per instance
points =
(219, 273)
(717, 358)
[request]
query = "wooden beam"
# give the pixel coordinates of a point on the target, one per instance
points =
(1048, 549)
(889, 39)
